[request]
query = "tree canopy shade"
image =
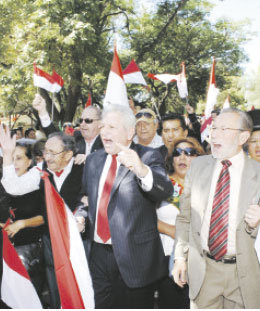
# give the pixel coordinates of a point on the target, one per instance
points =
(76, 37)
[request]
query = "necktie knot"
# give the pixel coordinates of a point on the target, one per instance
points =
(58, 173)
(226, 163)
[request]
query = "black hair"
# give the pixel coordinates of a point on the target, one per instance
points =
(26, 133)
(175, 116)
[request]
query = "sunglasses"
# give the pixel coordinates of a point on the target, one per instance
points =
(147, 115)
(190, 152)
(87, 120)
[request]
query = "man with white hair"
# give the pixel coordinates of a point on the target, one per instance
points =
(124, 184)
(216, 227)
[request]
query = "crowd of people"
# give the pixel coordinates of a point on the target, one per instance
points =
(167, 221)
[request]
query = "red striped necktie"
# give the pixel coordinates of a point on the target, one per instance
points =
(102, 219)
(218, 231)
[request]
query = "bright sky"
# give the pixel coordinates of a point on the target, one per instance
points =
(237, 10)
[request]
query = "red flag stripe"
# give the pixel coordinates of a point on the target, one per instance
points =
(116, 66)
(58, 226)
(11, 258)
(43, 74)
(132, 67)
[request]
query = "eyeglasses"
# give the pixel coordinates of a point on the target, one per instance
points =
(87, 120)
(190, 152)
(147, 115)
(223, 129)
(50, 153)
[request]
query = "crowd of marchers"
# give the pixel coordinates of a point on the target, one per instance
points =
(166, 220)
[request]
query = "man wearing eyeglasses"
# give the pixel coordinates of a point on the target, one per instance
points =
(64, 174)
(146, 129)
(87, 139)
(215, 234)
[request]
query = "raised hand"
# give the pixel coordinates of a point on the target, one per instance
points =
(7, 144)
(39, 104)
(130, 159)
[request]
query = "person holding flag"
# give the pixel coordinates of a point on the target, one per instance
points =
(64, 175)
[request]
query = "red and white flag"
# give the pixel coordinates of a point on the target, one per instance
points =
(212, 92)
(179, 78)
(133, 75)
(211, 102)
(164, 77)
(116, 92)
(58, 81)
(71, 266)
(17, 290)
(51, 83)
(89, 101)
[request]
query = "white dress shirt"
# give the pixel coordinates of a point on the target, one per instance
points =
(235, 171)
(155, 143)
(89, 145)
(146, 184)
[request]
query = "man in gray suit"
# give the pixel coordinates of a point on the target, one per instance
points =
(215, 236)
(126, 254)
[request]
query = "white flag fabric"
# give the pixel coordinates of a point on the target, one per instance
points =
(226, 103)
(51, 83)
(116, 92)
(17, 290)
(179, 78)
(133, 75)
(70, 262)
(182, 83)
(164, 77)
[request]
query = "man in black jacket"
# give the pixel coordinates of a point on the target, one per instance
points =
(87, 139)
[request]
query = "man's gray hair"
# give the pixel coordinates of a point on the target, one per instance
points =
(246, 122)
(67, 140)
(126, 113)
(96, 109)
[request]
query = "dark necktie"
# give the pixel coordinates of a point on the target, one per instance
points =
(102, 219)
(218, 231)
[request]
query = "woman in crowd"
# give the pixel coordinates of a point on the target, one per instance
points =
(27, 222)
(253, 145)
(177, 164)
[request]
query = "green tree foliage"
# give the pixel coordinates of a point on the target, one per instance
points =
(76, 36)
(187, 36)
(253, 90)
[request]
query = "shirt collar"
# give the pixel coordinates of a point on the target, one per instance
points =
(66, 169)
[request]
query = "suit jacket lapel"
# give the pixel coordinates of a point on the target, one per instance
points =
(122, 172)
(100, 160)
(206, 179)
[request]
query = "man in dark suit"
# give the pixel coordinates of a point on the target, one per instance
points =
(87, 139)
(126, 254)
